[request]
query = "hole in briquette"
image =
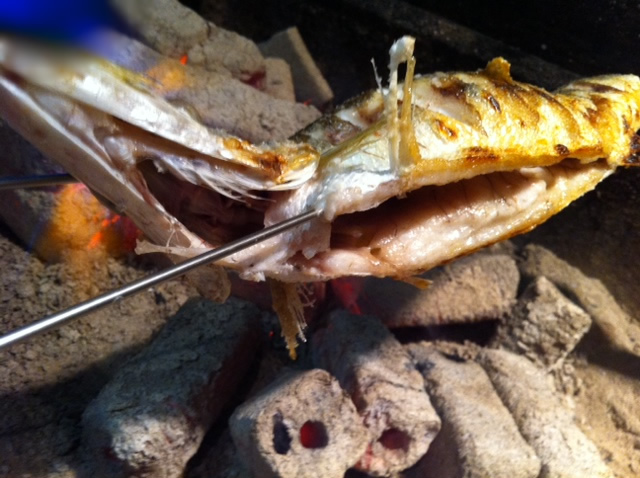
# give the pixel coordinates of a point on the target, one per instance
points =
(394, 439)
(281, 437)
(313, 435)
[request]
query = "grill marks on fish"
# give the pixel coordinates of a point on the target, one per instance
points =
(406, 178)
(451, 137)
(479, 154)
(531, 117)
(530, 151)
(562, 150)
(269, 162)
(634, 155)
(446, 131)
(494, 103)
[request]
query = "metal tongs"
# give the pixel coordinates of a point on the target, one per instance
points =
(56, 320)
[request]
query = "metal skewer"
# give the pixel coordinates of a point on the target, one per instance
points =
(16, 182)
(59, 318)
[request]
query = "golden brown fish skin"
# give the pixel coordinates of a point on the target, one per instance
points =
(455, 162)
(496, 123)
(461, 126)
(451, 127)
(522, 125)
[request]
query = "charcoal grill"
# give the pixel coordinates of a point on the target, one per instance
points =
(546, 44)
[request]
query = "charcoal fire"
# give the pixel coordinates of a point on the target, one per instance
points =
(151, 418)
(303, 425)
(468, 406)
(388, 392)
(544, 422)
(518, 361)
(477, 288)
(545, 326)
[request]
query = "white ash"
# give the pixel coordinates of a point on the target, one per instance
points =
(151, 417)
(546, 424)
(609, 318)
(545, 326)
(268, 428)
(175, 30)
(479, 437)
(309, 83)
(479, 287)
(278, 81)
(388, 392)
(48, 381)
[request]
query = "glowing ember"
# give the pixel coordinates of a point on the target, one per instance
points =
(84, 233)
(313, 434)
(347, 291)
(169, 76)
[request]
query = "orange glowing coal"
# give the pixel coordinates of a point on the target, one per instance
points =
(83, 233)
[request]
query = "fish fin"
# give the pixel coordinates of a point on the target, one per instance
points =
(409, 152)
(416, 281)
(499, 69)
(401, 51)
(288, 302)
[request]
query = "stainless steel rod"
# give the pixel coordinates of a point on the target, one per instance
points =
(60, 318)
(18, 182)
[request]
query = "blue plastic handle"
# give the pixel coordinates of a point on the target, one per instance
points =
(61, 20)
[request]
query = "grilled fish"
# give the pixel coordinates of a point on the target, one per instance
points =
(407, 177)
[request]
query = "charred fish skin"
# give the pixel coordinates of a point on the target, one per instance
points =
(468, 124)
(406, 177)
(483, 158)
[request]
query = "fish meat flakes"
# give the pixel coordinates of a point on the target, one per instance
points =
(407, 177)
